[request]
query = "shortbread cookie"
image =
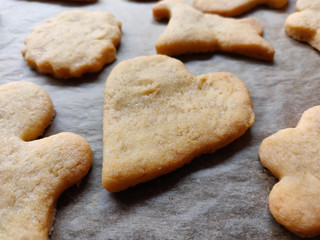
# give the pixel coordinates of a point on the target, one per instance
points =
(74, 43)
(293, 156)
(304, 25)
(190, 31)
(34, 173)
(232, 8)
(158, 117)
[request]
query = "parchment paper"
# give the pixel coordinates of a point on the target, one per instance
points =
(223, 195)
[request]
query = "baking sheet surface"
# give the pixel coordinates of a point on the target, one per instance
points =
(223, 195)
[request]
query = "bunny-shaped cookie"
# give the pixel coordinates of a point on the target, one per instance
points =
(293, 156)
(33, 173)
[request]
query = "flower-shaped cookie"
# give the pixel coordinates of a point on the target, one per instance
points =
(73, 43)
(190, 31)
(304, 25)
(34, 173)
(158, 117)
(293, 156)
(234, 7)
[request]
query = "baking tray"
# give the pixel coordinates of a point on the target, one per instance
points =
(223, 195)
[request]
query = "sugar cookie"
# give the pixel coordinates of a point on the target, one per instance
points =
(34, 173)
(304, 25)
(190, 31)
(232, 8)
(158, 117)
(293, 156)
(73, 43)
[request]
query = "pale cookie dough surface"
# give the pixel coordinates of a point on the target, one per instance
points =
(33, 174)
(304, 25)
(234, 7)
(223, 195)
(293, 156)
(158, 117)
(73, 43)
(191, 31)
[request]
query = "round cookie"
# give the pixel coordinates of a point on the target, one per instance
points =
(73, 43)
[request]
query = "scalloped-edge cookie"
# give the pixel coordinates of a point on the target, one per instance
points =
(191, 31)
(231, 8)
(34, 173)
(158, 117)
(293, 156)
(73, 43)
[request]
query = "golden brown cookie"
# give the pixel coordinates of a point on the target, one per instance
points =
(73, 43)
(190, 31)
(293, 156)
(304, 25)
(232, 8)
(33, 173)
(158, 117)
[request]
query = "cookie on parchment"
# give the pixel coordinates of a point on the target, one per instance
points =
(158, 117)
(73, 43)
(293, 156)
(191, 31)
(304, 24)
(33, 173)
(232, 8)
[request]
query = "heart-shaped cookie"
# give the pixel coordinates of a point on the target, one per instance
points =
(158, 117)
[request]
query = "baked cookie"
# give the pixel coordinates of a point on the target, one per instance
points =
(158, 117)
(293, 156)
(232, 8)
(304, 24)
(191, 31)
(73, 43)
(34, 173)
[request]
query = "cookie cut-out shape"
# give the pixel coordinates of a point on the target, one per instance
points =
(191, 31)
(158, 117)
(73, 43)
(232, 8)
(34, 173)
(293, 156)
(304, 25)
